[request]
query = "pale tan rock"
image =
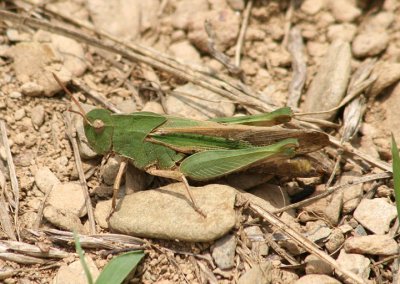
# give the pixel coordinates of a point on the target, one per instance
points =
(312, 7)
(344, 11)
(185, 51)
(356, 263)
(345, 32)
(330, 84)
(317, 279)
(153, 107)
(370, 43)
(64, 219)
(372, 244)
(104, 16)
(336, 239)
(74, 273)
(158, 213)
(69, 197)
(387, 73)
(351, 195)
(45, 179)
(185, 9)
(315, 265)
(225, 24)
(34, 62)
(37, 116)
(102, 212)
(258, 274)
(379, 221)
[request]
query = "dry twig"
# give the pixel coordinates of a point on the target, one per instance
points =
(13, 175)
(72, 137)
(242, 33)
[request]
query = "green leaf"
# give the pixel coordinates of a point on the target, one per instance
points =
(119, 267)
(79, 250)
(396, 174)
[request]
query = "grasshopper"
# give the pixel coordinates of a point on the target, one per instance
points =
(181, 149)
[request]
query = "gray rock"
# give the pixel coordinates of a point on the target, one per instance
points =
(370, 43)
(315, 265)
(379, 221)
(330, 84)
(69, 197)
(74, 273)
(223, 251)
(372, 244)
(317, 279)
(45, 179)
(197, 106)
(355, 263)
(37, 116)
(158, 213)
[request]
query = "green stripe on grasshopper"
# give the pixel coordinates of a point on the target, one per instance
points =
(278, 116)
(189, 143)
(216, 163)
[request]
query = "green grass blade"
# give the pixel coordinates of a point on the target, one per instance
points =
(79, 250)
(119, 267)
(396, 174)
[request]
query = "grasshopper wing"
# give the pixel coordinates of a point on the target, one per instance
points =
(216, 163)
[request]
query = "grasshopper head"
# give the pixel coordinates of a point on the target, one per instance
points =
(99, 130)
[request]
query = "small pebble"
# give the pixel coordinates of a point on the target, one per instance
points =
(19, 114)
(31, 89)
(370, 43)
(15, 95)
(37, 116)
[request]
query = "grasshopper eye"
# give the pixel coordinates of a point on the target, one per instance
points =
(98, 125)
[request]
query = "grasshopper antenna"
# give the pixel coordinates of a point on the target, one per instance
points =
(81, 111)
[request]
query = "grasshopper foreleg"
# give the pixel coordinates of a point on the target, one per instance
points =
(179, 177)
(117, 183)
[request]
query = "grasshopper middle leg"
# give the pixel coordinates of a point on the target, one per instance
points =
(179, 177)
(117, 183)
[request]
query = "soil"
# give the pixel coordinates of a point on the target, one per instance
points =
(33, 109)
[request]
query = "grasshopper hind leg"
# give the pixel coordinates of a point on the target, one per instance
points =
(179, 177)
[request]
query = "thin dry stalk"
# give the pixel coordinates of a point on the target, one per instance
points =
(96, 96)
(72, 137)
(242, 33)
(13, 175)
(39, 215)
(5, 220)
(335, 188)
(303, 242)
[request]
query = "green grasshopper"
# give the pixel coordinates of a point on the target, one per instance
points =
(181, 148)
